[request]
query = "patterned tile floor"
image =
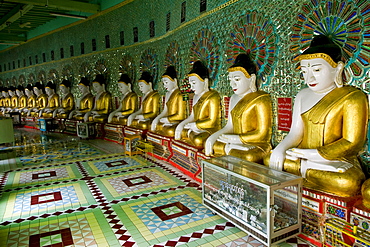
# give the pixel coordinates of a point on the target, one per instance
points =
(74, 193)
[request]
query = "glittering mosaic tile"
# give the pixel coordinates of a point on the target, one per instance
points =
(89, 228)
(45, 200)
(110, 164)
(36, 176)
(136, 182)
(160, 218)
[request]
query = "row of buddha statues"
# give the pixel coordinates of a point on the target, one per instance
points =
(328, 130)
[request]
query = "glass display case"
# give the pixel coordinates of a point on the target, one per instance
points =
(264, 202)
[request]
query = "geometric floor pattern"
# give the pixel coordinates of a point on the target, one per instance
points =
(109, 200)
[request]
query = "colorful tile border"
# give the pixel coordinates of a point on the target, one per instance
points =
(136, 182)
(185, 214)
(111, 164)
(42, 175)
(48, 199)
(89, 228)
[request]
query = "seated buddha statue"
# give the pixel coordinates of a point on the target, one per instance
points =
(205, 118)
(102, 104)
(247, 133)
(174, 110)
(328, 128)
(67, 102)
(85, 103)
(41, 100)
(31, 99)
(142, 118)
(14, 100)
(22, 99)
(53, 101)
(128, 102)
(1, 98)
(6, 100)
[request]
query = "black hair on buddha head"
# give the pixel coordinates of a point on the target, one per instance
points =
(66, 83)
(170, 72)
(323, 44)
(99, 78)
(124, 78)
(146, 76)
(20, 88)
(40, 86)
(245, 61)
(84, 81)
(200, 69)
(51, 85)
(11, 88)
(29, 87)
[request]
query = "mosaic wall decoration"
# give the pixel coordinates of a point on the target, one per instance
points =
(149, 63)
(274, 31)
(255, 34)
(205, 48)
(346, 23)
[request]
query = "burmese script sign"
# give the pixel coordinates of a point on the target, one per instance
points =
(284, 113)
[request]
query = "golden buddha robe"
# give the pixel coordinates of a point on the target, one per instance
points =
(1, 101)
(150, 109)
(336, 127)
(22, 102)
(207, 116)
(68, 104)
(31, 103)
(86, 104)
(41, 103)
(14, 101)
(53, 103)
(7, 102)
(103, 105)
(176, 110)
(129, 105)
(252, 121)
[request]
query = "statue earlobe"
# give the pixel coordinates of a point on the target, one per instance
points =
(253, 83)
(338, 76)
(175, 80)
(206, 85)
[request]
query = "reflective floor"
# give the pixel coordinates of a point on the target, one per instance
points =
(58, 190)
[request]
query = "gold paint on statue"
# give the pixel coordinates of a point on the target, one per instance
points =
(129, 106)
(207, 116)
(176, 112)
(150, 109)
(252, 121)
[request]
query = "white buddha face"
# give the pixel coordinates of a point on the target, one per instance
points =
(98, 87)
(144, 87)
(19, 92)
(64, 89)
(239, 82)
(27, 92)
(37, 91)
(168, 84)
(84, 89)
(123, 87)
(197, 85)
(5, 94)
(318, 74)
(49, 91)
(11, 93)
